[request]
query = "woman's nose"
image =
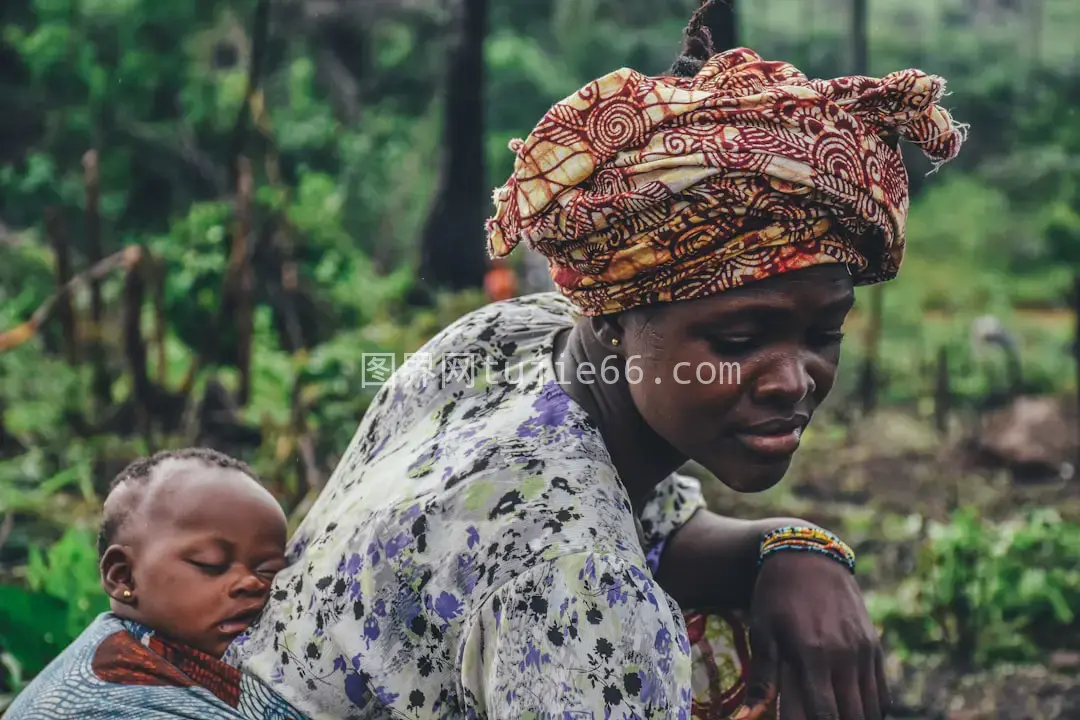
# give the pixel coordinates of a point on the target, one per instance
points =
(786, 379)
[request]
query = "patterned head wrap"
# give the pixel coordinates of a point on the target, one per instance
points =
(641, 189)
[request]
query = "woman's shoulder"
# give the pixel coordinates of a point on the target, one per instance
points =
(518, 320)
(477, 363)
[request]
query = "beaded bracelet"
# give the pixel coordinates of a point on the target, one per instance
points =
(807, 539)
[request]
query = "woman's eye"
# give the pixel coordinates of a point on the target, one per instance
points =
(826, 338)
(732, 344)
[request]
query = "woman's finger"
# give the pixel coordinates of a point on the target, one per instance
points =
(790, 701)
(881, 683)
(761, 682)
(816, 690)
(852, 685)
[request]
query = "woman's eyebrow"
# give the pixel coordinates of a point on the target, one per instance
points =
(766, 310)
(840, 304)
(748, 310)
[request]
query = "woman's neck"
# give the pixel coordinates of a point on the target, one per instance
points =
(641, 457)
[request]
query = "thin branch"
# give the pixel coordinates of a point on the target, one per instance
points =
(342, 85)
(6, 527)
(183, 150)
(56, 231)
(260, 32)
(157, 273)
(92, 183)
(125, 259)
(241, 278)
(135, 349)
(102, 385)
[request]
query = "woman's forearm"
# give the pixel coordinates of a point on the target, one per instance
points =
(712, 560)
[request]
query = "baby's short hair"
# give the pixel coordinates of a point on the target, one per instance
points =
(137, 474)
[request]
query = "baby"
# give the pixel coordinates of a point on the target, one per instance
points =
(189, 546)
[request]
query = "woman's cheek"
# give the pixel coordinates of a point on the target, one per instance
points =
(824, 375)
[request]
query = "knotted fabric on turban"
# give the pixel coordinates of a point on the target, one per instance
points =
(642, 190)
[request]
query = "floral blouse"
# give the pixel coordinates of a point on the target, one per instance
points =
(475, 555)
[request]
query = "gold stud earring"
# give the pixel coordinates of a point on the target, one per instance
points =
(127, 593)
(615, 341)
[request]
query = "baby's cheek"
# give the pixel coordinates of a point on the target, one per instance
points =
(172, 575)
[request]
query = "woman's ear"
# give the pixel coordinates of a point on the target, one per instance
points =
(116, 574)
(608, 330)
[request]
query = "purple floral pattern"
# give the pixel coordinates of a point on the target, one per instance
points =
(475, 556)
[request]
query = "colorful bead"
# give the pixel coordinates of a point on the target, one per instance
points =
(807, 539)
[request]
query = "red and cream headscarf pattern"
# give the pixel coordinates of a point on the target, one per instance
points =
(642, 190)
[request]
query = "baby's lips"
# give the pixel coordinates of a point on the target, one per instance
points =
(238, 623)
(234, 627)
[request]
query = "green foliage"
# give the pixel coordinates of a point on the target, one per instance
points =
(985, 593)
(62, 596)
(68, 571)
(33, 630)
(344, 193)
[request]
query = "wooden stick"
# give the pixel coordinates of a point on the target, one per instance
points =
(135, 350)
(259, 34)
(57, 233)
(242, 278)
(1076, 350)
(102, 385)
(6, 527)
(92, 182)
(157, 272)
(125, 259)
(942, 391)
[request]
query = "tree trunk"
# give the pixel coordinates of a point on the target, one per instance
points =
(722, 20)
(1076, 311)
(860, 53)
(452, 244)
(102, 383)
(56, 230)
(870, 380)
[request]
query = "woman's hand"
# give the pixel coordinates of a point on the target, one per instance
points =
(812, 642)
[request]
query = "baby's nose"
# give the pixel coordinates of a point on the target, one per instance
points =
(250, 584)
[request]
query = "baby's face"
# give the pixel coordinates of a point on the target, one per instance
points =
(205, 555)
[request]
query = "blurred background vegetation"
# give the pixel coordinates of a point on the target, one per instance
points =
(210, 210)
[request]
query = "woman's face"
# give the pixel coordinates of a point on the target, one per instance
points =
(732, 380)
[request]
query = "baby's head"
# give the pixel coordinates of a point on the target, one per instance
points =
(189, 546)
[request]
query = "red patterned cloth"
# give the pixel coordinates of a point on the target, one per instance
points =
(121, 670)
(123, 660)
(720, 664)
(656, 189)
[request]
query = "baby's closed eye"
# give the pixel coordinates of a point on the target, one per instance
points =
(271, 568)
(210, 567)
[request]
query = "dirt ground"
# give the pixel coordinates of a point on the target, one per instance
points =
(893, 466)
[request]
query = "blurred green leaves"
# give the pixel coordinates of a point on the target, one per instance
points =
(987, 593)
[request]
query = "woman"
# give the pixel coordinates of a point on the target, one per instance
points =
(506, 536)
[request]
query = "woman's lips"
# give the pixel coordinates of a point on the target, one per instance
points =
(776, 444)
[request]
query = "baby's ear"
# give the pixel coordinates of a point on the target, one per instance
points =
(116, 575)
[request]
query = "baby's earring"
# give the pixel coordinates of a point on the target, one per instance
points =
(127, 594)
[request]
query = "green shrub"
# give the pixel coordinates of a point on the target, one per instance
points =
(62, 596)
(985, 593)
